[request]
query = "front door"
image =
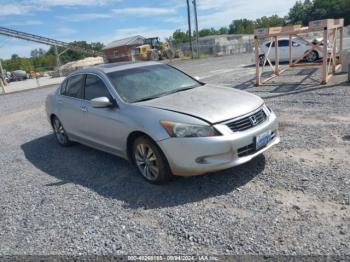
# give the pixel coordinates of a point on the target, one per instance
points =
(102, 126)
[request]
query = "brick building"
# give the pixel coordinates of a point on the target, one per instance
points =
(121, 50)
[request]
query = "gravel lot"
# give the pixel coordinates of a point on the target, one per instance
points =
(294, 199)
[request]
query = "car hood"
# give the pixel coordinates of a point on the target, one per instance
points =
(208, 102)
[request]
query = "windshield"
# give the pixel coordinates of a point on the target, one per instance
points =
(148, 82)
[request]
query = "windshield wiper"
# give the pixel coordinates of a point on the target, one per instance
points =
(179, 90)
(164, 94)
(147, 98)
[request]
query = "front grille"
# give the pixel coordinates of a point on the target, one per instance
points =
(251, 149)
(248, 121)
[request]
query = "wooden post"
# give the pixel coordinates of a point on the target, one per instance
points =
(334, 50)
(341, 42)
(277, 71)
(257, 65)
(325, 57)
(290, 50)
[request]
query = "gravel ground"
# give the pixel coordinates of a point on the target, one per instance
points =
(294, 199)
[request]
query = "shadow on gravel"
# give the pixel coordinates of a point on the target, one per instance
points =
(115, 178)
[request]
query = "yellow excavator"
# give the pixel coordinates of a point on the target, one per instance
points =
(153, 49)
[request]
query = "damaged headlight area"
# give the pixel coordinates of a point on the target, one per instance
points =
(188, 130)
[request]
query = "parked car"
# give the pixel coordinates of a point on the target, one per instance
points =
(299, 47)
(19, 75)
(161, 119)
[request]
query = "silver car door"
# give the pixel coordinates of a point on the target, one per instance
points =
(69, 104)
(102, 126)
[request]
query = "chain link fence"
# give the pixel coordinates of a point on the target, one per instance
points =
(220, 45)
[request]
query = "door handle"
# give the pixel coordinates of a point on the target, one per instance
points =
(84, 109)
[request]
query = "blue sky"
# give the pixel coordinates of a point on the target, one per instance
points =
(108, 20)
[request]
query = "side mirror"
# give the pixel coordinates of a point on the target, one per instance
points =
(101, 102)
(296, 44)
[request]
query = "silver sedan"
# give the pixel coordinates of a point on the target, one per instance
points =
(160, 119)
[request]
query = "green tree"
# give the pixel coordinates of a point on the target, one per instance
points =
(180, 37)
(223, 30)
(204, 32)
(303, 12)
(270, 21)
(14, 56)
(242, 26)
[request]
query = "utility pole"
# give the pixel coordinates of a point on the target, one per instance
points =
(189, 26)
(194, 2)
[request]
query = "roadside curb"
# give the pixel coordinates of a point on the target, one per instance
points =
(29, 89)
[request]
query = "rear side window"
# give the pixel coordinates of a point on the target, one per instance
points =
(94, 87)
(283, 43)
(74, 86)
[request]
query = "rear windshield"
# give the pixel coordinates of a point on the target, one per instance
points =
(149, 82)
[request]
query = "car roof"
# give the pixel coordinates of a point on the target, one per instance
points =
(113, 67)
(283, 38)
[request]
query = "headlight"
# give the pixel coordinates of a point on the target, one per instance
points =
(188, 130)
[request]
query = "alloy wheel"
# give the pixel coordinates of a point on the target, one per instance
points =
(59, 131)
(312, 57)
(146, 161)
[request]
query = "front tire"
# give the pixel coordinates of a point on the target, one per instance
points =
(60, 133)
(153, 55)
(261, 60)
(150, 161)
(311, 57)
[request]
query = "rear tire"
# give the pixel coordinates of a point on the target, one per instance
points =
(150, 161)
(60, 133)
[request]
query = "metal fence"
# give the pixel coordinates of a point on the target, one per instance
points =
(219, 45)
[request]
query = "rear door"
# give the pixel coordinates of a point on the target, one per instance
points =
(283, 48)
(298, 49)
(69, 104)
(102, 126)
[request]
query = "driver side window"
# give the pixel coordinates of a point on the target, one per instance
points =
(94, 87)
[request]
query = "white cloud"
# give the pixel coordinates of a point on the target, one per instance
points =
(225, 11)
(211, 4)
(145, 11)
(65, 31)
(23, 7)
(13, 9)
(49, 3)
(84, 17)
(24, 23)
